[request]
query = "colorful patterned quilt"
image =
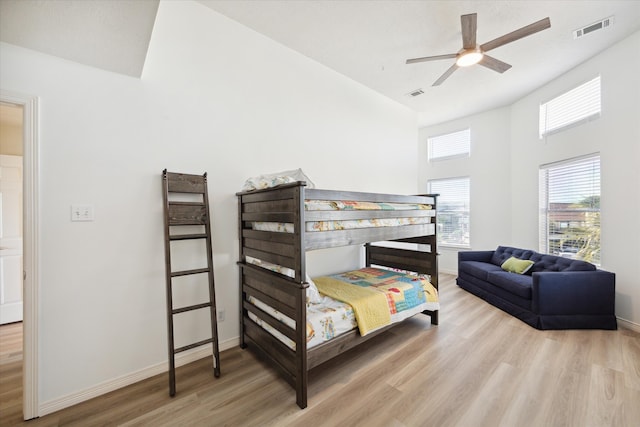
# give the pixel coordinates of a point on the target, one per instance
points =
(330, 318)
(364, 289)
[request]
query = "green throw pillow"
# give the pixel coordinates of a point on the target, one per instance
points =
(516, 265)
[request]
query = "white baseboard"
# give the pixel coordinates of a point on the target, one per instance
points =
(624, 323)
(134, 377)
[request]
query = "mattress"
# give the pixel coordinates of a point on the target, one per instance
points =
(347, 205)
(330, 318)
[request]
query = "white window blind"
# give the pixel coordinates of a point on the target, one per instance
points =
(453, 210)
(570, 208)
(577, 105)
(450, 145)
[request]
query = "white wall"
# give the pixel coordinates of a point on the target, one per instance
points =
(488, 168)
(615, 135)
(215, 97)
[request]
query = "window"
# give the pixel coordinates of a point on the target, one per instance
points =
(570, 208)
(578, 105)
(450, 145)
(453, 210)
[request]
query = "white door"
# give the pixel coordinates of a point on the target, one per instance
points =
(10, 239)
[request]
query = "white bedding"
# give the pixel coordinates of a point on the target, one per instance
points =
(325, 320)
(287, 227)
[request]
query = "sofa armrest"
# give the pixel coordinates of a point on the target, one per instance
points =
(482, 256)
(573, 292)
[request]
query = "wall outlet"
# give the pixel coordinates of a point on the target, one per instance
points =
(221, 315)
(81, 213)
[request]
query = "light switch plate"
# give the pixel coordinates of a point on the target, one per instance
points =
(81, 213)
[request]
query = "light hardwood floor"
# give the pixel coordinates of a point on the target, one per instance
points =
(479, 367)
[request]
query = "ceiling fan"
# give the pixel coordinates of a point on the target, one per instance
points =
(472, 53)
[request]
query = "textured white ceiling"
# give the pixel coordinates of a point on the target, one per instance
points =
(369, 42)
(365, 40)
(107, 34)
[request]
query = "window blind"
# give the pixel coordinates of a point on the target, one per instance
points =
(570, 208)
(450, 145)
(579, 104)
(453, 210)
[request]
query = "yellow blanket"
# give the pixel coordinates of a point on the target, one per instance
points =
(369, 306)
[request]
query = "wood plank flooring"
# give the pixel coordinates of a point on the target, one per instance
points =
(479, 367)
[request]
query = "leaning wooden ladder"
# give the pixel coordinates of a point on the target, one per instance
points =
(187, 213)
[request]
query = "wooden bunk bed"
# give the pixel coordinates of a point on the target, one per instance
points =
(286, 204)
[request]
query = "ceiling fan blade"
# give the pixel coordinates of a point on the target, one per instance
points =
(431, 58)
(542, 24)
(446, 75)
(469, 30)
(494, 64)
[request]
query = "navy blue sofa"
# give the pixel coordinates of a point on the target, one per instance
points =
(556, 293)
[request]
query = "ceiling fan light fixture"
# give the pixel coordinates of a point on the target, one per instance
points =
(469, 57)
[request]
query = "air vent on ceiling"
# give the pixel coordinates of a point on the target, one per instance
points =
(600, 25)
(416, 92)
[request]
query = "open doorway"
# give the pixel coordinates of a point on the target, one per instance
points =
(11, 269)
(21, 176)
(11, 151)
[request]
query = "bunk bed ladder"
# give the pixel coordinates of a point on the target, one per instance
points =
(193, 214)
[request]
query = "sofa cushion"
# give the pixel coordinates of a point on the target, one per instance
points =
(493, 293)
(477, 269)
(503, 253)
(545, 262)
(518, 284)
(515, 265)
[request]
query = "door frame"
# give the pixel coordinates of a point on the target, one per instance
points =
(31, 249)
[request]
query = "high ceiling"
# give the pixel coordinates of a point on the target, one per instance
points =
(367, 41)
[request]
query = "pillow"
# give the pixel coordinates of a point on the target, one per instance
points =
(313, 295)
(275, 179)
(515, 265)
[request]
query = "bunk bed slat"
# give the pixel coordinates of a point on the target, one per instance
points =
(272, 347)
(272, 302)
(270, 247)
(284, 205)
(268, 216)
(317, 194)
(275, 323)
(267, 236)
(359, 214)
(270, 284)
(400, 258)
(327, 239)
(271, 257)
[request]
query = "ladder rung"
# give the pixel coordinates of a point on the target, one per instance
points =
(187, 236)
(187, 272)
(191, 307)
(194, 345)
(186, 203)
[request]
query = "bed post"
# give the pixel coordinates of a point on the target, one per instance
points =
(241, 272)
(433, 253)
(301, 302)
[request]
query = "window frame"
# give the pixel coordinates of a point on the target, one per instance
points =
(449, 137)
(466, 217)
(575, 99)
(580, 217)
